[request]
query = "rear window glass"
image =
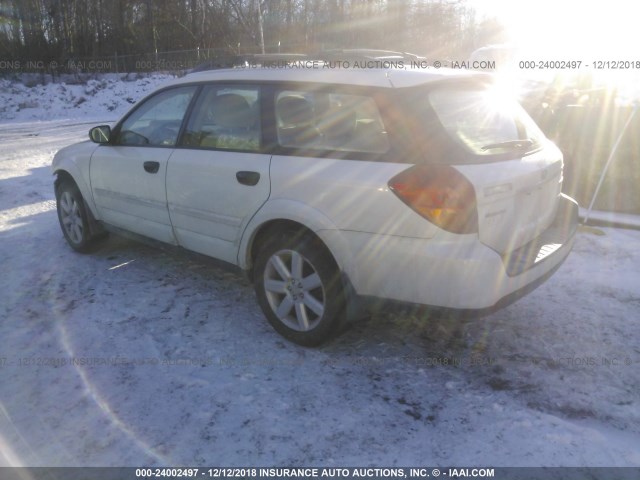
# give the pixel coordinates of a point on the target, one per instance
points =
(485, 121)
(329, 121)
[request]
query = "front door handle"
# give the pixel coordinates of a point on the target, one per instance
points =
(151, 167)
(248, 178)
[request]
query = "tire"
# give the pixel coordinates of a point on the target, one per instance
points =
(299, 289)
(73, 218)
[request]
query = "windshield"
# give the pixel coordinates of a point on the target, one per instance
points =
(485, 121)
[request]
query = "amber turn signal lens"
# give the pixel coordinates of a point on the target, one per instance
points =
(439, 193)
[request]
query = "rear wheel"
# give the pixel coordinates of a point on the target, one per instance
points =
(73, 217)
(299, 289)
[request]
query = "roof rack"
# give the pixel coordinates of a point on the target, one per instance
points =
(266, 59)
(355, 54)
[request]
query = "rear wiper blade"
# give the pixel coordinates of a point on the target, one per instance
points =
(515, 144)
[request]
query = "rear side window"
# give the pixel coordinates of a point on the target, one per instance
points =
(484, 121)
(225, 118)
(329, 121)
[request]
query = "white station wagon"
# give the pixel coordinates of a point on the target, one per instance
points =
(332, 186)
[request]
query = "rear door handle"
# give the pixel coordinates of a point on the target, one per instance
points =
(248, 178)
(151, 167)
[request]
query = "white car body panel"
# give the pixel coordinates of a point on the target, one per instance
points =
(517, 199)
(389, 251)
(354, 194)
(75, 160)
(209, 208)
(292, 211)
(129, 197)
(449, 272)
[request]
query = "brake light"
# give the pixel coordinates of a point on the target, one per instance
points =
(439, 193)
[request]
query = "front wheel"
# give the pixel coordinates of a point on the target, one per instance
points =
(73, 217)
(299, 288)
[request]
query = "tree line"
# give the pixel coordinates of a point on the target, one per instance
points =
(60, 30)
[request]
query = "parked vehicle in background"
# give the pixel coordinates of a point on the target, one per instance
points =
(329, 186)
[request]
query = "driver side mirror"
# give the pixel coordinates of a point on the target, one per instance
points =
(100, 134)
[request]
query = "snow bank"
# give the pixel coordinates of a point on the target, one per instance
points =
(106, 96)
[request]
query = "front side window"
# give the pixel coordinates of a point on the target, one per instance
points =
(157, 121)
(485, 121)
(226, 118)
(329, 121)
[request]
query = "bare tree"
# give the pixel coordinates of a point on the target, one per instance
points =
(60, 29)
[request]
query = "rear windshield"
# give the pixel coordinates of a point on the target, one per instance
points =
(485, 121)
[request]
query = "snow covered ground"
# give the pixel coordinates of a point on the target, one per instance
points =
(106, 96)
(135, 355)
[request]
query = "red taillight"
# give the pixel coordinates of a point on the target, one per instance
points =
(439, 193)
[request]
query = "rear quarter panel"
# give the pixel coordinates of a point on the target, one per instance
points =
(332, 197)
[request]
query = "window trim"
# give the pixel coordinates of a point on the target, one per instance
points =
(278, 94)
(518, 124)
(391, 104)
(115, 133)
(375, 93)
(217, 84)
(415, 148)
(382, 96)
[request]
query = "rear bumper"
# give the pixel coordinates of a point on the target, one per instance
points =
(458, 272)
(561, 231)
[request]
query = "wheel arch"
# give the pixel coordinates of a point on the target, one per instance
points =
(63, 176)
(273, 227)
(290, 215)
(311, 222)
(73, 175)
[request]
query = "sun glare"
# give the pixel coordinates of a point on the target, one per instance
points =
(603, 36)
(569, 26)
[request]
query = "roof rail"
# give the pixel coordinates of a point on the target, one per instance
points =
(267, 59)
(354, 54)
(232, 61)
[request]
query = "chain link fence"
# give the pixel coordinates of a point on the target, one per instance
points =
(175, 61)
